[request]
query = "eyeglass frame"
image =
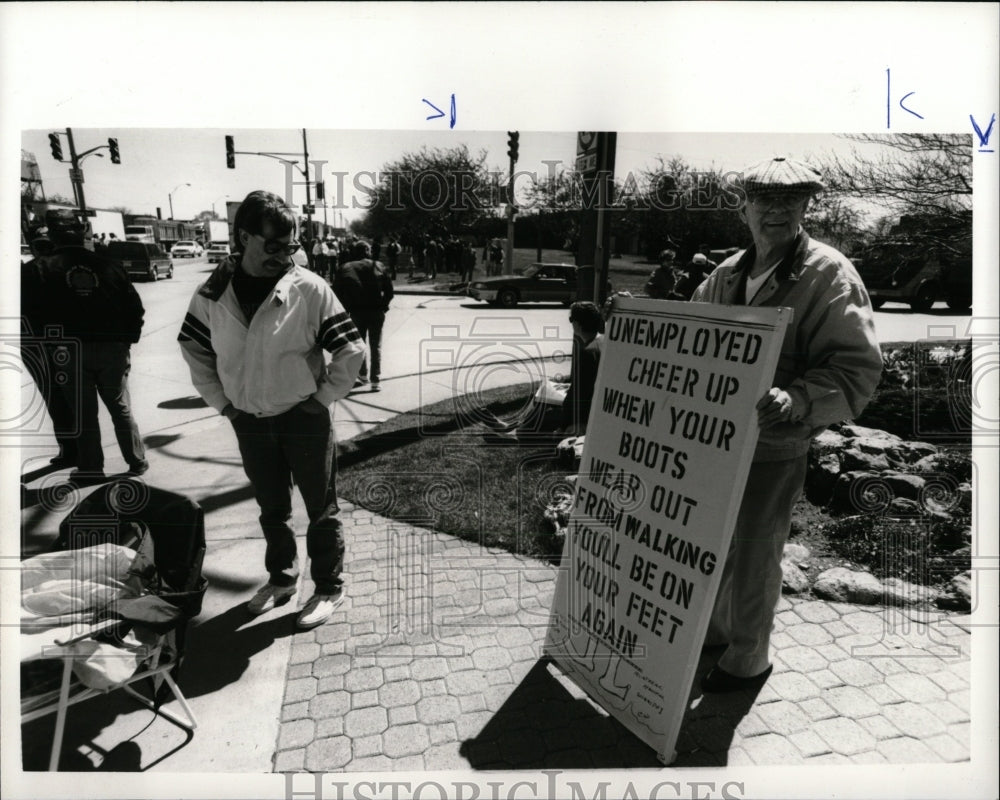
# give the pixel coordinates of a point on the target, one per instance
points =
(273, 247)
(787, 199)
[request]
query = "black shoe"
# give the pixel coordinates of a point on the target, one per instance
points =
(86, 478)
(139, 468)
(718, 680)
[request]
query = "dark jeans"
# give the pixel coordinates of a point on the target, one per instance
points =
(44, 364)
(299, 446)
(369, 325)
(104, 369)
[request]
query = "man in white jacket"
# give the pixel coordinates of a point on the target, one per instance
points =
(255, 338)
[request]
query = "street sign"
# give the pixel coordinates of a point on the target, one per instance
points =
(76, 175)
(308, 209)
(90, 212)
(586, 162)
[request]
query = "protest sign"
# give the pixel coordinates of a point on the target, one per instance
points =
(669, 443)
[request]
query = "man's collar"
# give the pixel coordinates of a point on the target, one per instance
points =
(222, 276)
(789, 267)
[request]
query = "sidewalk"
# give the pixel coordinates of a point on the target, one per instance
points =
(433, 661)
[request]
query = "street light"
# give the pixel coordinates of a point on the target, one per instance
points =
(216, 200)
(170, 197)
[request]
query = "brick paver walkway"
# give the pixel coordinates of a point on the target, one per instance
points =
(432, 663)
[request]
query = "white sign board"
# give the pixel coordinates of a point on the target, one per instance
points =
(669, 444)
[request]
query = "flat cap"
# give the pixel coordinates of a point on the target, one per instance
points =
(781, 175)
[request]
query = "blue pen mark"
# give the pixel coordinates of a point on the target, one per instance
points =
(984, 138)
(434, 116)
(888, 100)
(910, 94)
(454, 116)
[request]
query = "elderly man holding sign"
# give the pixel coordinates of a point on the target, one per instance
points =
(829, 366)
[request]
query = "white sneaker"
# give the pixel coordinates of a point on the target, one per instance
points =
(268, 596)
(318, 610)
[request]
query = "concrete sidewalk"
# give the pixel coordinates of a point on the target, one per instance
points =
(433, 661)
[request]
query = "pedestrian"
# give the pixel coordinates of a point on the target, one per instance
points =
(686, 280)
(468, 261)
(376, 248)
(44, 350)
(392, 255)
(365, 289)
(255, 338)
(332, 259)
(496, 257)
(93, 301)
(321, 258)
(431, 257)
(828, 368)
(661, 280)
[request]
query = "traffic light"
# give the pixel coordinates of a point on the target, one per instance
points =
(56, 144)
(512, 137)
(113, 147)
(320, 190)
(230, 153)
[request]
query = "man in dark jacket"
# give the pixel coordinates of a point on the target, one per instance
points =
(365, 289)
(93, 300)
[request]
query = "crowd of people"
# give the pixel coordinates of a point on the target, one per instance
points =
(271, 344)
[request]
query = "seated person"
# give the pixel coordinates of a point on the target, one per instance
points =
(543, 422)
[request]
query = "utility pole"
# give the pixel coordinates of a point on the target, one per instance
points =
(309, 218)
(75, 173)
(512, 146)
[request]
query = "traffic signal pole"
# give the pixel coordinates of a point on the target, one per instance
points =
(309, 218)
(75, 173)
(512, 148)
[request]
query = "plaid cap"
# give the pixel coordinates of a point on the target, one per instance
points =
(781, 175)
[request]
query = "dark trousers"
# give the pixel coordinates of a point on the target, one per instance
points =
(44, 364)
(299, 446)
(103, 372)
(369, 325)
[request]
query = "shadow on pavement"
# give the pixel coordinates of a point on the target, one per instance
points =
(193, 401)
(218, 650)
(85, 723)
(158, 440)
(541, 725)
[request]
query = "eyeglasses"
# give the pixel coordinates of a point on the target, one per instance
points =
(273, 247)
(777, 200)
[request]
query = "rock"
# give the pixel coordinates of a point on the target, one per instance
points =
(959, 467)
(821, 477)
(901, 507)
(910, 452)
(847, 586)
(853, 459)
(904, 485)
(957, 596)
(901, 593)
(795, 552)
(861, 432)
(826, 443)
(861, 492)
(793, 579)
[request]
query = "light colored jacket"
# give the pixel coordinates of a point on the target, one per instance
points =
(276, 360)
(830, 360)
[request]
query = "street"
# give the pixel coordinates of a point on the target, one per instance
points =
(425, 335)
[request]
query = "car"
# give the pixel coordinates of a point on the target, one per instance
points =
(217, 251)
(141, 259)
(185, 248)
(538, 283)
(26, 254)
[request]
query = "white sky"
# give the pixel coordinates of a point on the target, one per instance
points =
(155, 162)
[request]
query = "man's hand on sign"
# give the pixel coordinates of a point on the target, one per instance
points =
(775, 407)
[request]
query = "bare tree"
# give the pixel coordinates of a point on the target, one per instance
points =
(915, 173)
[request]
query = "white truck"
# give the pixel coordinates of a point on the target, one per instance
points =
(216, 232)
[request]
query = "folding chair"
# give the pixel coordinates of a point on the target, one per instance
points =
(168, 570)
